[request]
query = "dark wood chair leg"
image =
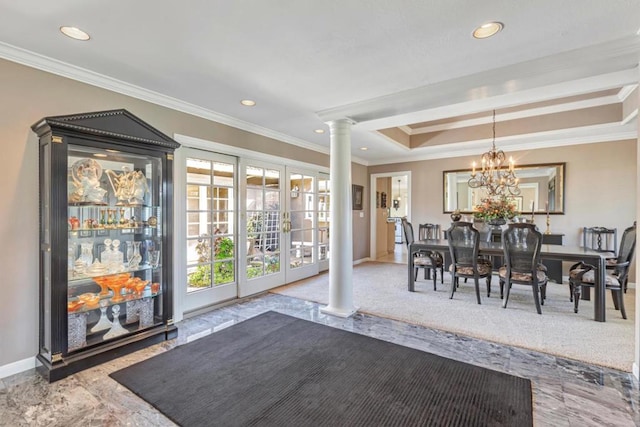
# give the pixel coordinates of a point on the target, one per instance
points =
(435, 277)
(570, 291)
(442, 275)
(501, 288)
(536, 296)
(477, 283)
(615, 298)
(619, 295)
(488, 285)
(454, 281)
(507, 285)
(577, 288)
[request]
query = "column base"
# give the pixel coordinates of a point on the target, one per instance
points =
(339, 312)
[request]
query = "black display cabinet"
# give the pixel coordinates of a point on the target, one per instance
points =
(106, 201)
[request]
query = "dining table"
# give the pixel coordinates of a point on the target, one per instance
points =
(554, 252)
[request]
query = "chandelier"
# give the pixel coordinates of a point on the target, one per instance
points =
(496, 176)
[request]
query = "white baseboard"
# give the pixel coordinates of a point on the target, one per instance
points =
(635, 370)
(17, 367)
(361, 260)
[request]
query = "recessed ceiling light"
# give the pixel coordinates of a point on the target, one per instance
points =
(319, 131)
(75, 33)
(248, 102)
(100, 155)
(364, 148)
(487, 30)
(112, 151)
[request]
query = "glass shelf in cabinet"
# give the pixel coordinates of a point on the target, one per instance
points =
(83, 279)
(76, 305)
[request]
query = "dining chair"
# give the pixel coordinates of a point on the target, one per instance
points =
(427, 260)
(521, 244)
(428, 231)
(601, 239)
(582, 274)
(464, 243)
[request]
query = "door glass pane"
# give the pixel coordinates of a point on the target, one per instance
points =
(210, 224)
(223, 174)
(272, 179)
(263, 223)
(254, 199)
(198, 223)
(302, 214)
(198, 171)
(323, 218)
(295, 258)
(272, 199)
(255, 177)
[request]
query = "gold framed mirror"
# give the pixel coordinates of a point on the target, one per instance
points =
(541, 188)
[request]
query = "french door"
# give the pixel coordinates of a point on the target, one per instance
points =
(246, 226)
(301, 232)
(279, 223)
(211, 229)
(261, 232)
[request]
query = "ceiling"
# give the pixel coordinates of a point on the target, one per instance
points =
(408, 74)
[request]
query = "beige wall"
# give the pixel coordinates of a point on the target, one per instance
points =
(600, 186)
(360, 176)
(26, 96)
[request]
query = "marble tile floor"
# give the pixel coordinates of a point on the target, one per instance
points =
(565, 392)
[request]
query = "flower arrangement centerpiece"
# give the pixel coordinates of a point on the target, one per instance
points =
(495, 209)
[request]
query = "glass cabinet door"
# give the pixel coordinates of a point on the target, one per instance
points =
(114, 250)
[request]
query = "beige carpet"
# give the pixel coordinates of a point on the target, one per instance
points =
(381, 289)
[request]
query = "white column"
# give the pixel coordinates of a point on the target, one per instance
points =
(341, 228)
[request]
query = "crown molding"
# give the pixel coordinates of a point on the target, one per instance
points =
(626, 91)
(54, 66)
(459, 105)
(526, 113)
(550, 139)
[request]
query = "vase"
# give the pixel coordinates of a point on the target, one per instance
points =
(133, 255)
(455, 216)
(496, 222)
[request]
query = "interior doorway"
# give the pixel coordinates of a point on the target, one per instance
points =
(390, 200)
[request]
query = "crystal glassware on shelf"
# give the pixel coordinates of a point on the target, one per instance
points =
(140, 286)
(136, 258)
(116, 328)
(116, 283)
(117, 257)
(111, 217)
(105, 255)
(129, 252)
(154, 257)
(123, 220)
(86, 253)
(71, 258)
(102, 282)
(103, 322)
